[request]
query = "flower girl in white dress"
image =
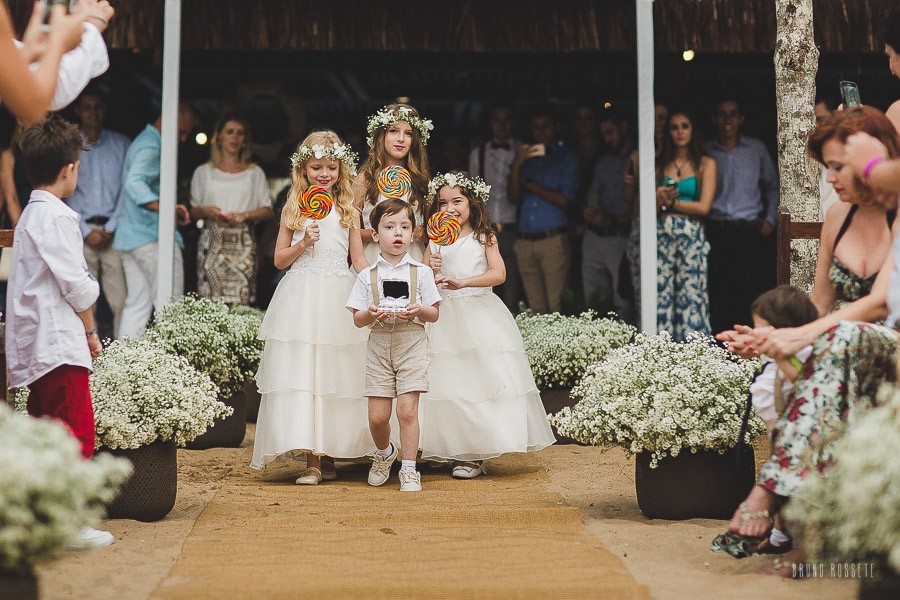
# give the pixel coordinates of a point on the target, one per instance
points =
(312, 373)
(482, 400)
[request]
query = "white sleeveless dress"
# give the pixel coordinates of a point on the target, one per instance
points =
(312, 372)
(416, 248)
(482, 400)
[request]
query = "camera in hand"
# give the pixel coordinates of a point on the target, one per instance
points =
(395, 297)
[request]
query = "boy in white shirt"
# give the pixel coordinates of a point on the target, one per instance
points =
(396, 296)
(51, 339)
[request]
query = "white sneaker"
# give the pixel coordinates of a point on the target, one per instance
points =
(468, 471)
(410, 480)
(381, 468)
(89, 537)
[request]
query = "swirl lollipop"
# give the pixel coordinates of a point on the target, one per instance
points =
(394, 182)
(443, 228)
(315, 202)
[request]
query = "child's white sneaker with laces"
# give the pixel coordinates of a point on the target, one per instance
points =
(410, 480)
(381, 467)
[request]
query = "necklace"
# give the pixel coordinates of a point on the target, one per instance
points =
(678, 167)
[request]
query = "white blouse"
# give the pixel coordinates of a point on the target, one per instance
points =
(231, 192)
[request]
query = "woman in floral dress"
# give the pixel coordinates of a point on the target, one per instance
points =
(852, 356)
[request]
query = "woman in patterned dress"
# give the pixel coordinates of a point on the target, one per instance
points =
(229, 193)
(852, 356)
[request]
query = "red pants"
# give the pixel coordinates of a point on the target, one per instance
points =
(64, 394)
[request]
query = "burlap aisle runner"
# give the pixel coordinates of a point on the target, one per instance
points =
(502, 536)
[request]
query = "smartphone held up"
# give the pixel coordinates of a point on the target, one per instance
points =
(850, 94)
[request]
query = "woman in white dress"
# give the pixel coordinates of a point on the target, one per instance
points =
(312, 371)
(482, 400)
(229, 194)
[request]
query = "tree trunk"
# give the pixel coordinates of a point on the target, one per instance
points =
(796, 63)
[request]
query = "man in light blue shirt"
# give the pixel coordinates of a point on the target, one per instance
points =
(97, 197)
(741, 222)
(137, 234)
(543, 181)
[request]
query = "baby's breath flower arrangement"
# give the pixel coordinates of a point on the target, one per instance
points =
(561, 348)
(215, 339)
(142, 393)
(387, 117)
(661, 396)
(48, 492)
(851, 513)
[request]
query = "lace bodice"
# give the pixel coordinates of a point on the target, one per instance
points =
(465, 258)
(329, 255)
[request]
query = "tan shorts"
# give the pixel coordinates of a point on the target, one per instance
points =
(397, 360)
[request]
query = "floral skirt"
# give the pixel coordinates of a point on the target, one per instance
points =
(841, 378)
(226, 263)
(682, 296)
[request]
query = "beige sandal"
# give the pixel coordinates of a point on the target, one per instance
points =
(311, 476)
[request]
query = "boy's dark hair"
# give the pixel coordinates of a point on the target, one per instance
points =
(391, 206)
(49, 146)
(892, 30)
(785, 306)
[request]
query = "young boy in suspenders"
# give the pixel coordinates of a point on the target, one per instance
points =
(396, 296)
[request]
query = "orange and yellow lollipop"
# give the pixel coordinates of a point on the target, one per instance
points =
(443, 228)
(315, 202)
(394, 182)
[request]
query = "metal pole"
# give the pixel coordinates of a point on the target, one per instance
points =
(168, 168)
(646, 163)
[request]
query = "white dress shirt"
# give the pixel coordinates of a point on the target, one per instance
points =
(49, 283)
(77, 67)
(427, 293)
(497, 163)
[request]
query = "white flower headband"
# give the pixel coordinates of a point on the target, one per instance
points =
(387, 117)
(341, 152)
(476, 185)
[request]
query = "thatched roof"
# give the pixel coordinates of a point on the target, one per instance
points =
(529, 26)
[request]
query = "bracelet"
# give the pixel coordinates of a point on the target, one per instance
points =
(871, 165)
(91, 332)
(101, 19)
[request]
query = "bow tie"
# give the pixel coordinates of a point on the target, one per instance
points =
(498, 145)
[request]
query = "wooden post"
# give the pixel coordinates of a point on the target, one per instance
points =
(796, 63)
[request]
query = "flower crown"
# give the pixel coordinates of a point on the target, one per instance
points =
(387, 117)
(341, 152)
(476, 185)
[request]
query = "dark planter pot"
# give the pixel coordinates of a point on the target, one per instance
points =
(554, 401)
(21, 586)
(228, 432)
(149, 493)
(702, 485)
(251, 392)
(887, 587)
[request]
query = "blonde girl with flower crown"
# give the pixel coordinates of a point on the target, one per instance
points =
(482, 400)
(397, 136)
(311, 375)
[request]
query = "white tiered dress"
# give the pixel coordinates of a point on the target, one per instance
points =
(312, 371)
(416, 248)
(482, 400)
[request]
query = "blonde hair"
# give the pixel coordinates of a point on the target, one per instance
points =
(416, 164)
(215, 152)
(341, 191)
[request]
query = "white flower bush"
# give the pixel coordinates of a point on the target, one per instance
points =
(215, 339)
(560, 349)
(48, 492)
(661, 396)
(142, 393)
(851, 513)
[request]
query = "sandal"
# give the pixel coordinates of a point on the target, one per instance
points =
(311, 476)
(746, 516)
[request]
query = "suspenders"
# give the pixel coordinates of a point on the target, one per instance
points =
(413, 285)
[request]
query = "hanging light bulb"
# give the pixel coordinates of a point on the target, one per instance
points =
(687, 55)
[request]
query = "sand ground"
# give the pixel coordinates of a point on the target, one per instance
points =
(610, 542)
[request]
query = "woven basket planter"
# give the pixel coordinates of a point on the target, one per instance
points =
(21, 586)
(228, 432)
(554, 401)
(704, 484)
(149, 494)
(254, 398)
